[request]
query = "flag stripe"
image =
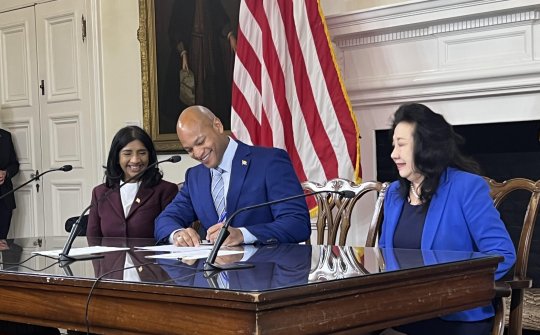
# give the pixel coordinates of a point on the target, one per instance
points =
(331, 98)
(308, 106)
(342, 106)
(246, 52)
(287, 90)
(300, 128)
(251, 124)
(277, 81)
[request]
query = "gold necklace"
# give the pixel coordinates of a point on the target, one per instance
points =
(414, 192)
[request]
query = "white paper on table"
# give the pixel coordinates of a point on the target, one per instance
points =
(80, 251)
(173, 248)
(194, 254)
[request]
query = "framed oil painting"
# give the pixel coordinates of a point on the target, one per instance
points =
(187, 56)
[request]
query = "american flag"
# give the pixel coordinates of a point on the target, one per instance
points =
(287, 89)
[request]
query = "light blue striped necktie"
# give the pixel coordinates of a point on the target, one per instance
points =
(218, 190)
(223, 279)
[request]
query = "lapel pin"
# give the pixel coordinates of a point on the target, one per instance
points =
(137, 200)
(244, 162)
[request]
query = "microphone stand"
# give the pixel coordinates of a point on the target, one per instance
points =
(209, 265)
(64, 259)
(64, 168)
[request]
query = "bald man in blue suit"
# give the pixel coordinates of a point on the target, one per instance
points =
(252, 175)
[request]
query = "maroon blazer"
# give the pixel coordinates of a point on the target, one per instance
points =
(107, 217)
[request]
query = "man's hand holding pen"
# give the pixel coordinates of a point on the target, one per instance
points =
(235, 235)
(190, 238)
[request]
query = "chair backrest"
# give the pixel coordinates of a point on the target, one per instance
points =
(82, 225)
(334, 210)
(499, 191)
(520, 281)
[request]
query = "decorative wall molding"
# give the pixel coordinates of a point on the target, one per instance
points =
(21, 131)
(9, 5)
(65, 196)
(437, 50)
(421, 11)
(62, 126)
(400, 33)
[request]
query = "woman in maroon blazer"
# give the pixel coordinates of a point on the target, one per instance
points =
(129, 211)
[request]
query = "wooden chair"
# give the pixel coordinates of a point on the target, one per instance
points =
(519, 281)
(334, 211)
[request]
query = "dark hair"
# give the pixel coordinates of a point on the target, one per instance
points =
(436, 147)
(114, 172)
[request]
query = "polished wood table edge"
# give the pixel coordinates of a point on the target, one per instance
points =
(275, 294)
(336, 306)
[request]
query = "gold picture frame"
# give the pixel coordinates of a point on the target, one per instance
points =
(161, 27)
(146, 34)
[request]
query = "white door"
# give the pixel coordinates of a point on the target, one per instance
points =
(19, 113)
(66, 124)
(54, 128)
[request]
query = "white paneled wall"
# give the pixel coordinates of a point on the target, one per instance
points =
(474, 64)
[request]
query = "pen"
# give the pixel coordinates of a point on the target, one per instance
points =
(223, 217)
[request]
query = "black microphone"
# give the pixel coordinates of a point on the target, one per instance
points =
(224, 232)
(174, 159)
(64, 258)
(64, 168)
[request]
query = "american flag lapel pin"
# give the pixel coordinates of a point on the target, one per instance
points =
(244, 162)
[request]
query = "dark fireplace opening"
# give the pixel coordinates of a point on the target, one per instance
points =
(504, 151)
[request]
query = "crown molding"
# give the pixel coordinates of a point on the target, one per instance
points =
(426, 18)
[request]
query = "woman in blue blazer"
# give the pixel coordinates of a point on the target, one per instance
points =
(441, 203)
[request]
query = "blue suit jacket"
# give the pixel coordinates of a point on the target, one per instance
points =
(258, 175)
(461, 216)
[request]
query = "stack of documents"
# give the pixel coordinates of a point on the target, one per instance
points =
(186, 253)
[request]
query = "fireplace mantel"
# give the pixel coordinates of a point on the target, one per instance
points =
(437, 50)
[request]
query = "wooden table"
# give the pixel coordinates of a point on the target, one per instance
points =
(299, 294)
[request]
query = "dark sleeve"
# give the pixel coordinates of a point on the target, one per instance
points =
(13, 164)
(181, 24)
(231, 9)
